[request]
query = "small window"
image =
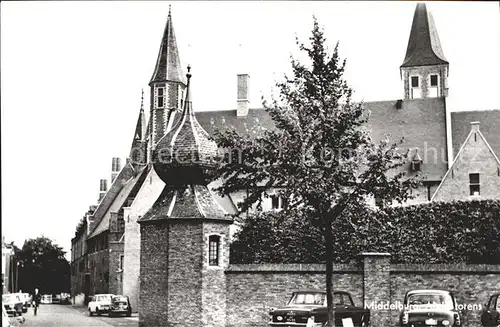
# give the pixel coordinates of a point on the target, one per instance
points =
(275, 201)
(121, 261)
(474, 184)
(160, 97)
(414, 81)
(434, 80)
(416, 165)
(213, 250)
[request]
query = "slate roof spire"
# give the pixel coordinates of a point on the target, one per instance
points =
(168, 66)
(424, 47)
(139, 142)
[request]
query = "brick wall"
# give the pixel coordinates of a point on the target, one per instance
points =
(154, 276)
(115, 275)
(185, 250)
(253, 289)
(99, 268)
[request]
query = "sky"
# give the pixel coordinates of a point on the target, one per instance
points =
(72, 74)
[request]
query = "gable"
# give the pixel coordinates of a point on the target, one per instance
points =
(125, 174)
(490, 127)
(474, 157)
(128, 190)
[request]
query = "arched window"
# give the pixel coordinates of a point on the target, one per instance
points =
(213, 250)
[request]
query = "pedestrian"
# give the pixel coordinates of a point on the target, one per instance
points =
(37, 298)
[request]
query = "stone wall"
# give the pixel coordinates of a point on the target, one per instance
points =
(253, 289)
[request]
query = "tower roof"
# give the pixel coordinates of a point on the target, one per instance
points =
(424, 47)
(168, 66)
(186, 145)
(138, 143)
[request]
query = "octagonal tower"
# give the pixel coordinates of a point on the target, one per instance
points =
(185, 235)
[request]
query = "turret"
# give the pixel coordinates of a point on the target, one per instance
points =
(425, 69)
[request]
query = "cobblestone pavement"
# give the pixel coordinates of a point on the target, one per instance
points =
(54, 315)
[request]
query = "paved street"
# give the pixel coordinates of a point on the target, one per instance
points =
(53, 315)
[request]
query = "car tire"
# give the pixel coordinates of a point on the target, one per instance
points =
(97, 312)
(90, 313)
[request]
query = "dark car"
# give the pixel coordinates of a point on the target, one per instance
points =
(430, 308)
(120, 305)
(491, 314)
(308, 308)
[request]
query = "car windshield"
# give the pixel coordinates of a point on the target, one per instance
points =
(103, 298)
(308, 298)
(120, 299)
(431, 300)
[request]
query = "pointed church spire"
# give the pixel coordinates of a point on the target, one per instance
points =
(139, 143)
(424, 47)
(168, 66)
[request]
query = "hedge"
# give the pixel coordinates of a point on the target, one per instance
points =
(438, 232)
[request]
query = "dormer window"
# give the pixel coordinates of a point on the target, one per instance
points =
(474, 184)
(434, 80)
(416, 162)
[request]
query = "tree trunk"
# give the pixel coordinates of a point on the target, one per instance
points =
(329, 273)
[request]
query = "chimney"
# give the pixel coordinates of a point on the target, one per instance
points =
(103, 188)
(115, 168)
(243, 95)
(474, 126)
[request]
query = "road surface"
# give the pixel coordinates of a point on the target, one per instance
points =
(56, 315)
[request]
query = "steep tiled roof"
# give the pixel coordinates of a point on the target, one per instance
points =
(125, 174)
(190, 202)
(252, 123)
(422, 124)
(168, 67)
(120, 201)
(490, 127)
(424, 47)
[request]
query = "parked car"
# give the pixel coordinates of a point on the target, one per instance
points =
(65, 298)
(13, 304)
(430, 308)
(46, 299)
(120, 304)
(56, 298)
(99, 303)
(25, 299)
(10, 322)
(491, 314)
(308, 308)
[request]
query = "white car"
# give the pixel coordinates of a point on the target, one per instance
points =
(99, 303)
